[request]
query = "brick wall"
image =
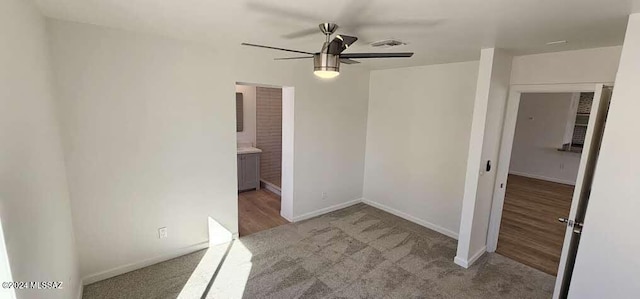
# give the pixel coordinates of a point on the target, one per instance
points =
(584, 106)
(585, 103)
(269, 132)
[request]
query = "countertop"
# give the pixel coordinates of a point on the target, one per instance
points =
(248, 150)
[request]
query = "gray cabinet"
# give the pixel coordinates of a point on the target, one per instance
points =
(248, 171)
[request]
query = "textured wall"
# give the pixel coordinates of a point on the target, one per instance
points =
(269, 132)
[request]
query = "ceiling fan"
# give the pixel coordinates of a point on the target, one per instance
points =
(326, 63)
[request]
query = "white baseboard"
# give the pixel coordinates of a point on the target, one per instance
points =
(271, 187)
(326, 210)
(144, 263)
(80, 290)
(544, 178)
(461, 262)
(286, 217)
(413, 219)
(477, 255)
(467, 263)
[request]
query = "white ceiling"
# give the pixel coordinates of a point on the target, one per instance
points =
(447, 30)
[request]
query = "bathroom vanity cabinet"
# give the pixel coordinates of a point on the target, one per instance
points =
(248, 171)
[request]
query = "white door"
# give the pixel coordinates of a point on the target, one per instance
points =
(593, 140)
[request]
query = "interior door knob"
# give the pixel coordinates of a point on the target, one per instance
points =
(569, 222)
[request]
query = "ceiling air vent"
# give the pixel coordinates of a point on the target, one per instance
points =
(387, 43)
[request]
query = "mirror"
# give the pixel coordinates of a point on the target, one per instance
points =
(239, 112)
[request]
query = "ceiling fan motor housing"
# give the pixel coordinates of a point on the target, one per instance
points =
(326, 62)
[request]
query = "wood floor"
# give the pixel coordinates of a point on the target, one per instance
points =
(530, 232)
(258, 210)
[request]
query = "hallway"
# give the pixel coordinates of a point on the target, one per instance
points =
(530, 232)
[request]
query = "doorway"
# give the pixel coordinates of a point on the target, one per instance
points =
(537, 211)
(264, 133)
(546, 151)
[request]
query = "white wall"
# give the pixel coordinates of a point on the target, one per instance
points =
(608, 263)
(150, 141)
(417, 139)
(484, 143)
(248, 134)
(596, 65)
(540, 131)
(34, 200)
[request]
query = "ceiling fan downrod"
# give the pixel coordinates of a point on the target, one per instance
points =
(328, 29)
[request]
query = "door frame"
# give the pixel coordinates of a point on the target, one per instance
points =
(287, 163)
(504, 158)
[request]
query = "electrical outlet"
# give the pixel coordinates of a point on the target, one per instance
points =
(162, 232)
(324, 195)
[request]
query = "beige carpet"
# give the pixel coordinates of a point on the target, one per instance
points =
(357, 252)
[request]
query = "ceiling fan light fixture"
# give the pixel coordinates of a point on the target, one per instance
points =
(326, 74)
(326, 66)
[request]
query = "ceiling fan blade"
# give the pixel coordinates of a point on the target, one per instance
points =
(376, 55)
(291, 58)
(282, 12)
(348, 61)
(347, 40)
(341, 43)
(402, 23)
(302, 33)
(274, 48)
